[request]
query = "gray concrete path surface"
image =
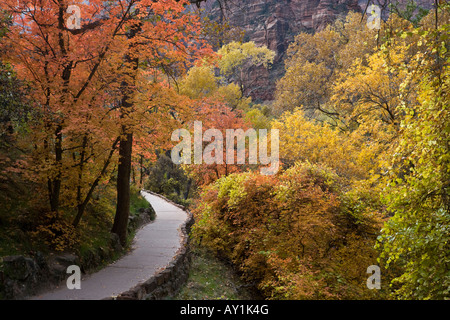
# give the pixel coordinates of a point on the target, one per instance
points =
(154, 247)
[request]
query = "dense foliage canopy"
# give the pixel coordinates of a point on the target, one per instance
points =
(364, 128)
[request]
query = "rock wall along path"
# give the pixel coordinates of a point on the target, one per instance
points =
(154, 247)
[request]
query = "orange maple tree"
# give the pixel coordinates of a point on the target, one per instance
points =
(216, 115)
(95, 84)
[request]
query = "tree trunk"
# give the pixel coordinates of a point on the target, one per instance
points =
(120, 225)
(141, 171)
(55, 184)
(188, 189)
(82, 205)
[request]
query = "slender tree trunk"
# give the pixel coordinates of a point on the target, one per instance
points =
(439, 64)
(80, 172)
(188, 189)
(120, 225)
(82, 205)
(55, 184)
(141, 170)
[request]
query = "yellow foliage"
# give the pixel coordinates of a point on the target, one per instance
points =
(314, 62)
(297, 234)
(257, 118)
(56, 232)
(237, 58)
(349, 154)
(199, 82)
(369, 92)
(234, 56)
(232, 96)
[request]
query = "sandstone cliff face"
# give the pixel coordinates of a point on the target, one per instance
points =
(275, 23)
(426, 4)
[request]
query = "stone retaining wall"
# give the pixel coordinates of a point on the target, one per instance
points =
(168, 281)
(21, 277)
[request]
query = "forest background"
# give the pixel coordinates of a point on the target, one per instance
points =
(87, 116)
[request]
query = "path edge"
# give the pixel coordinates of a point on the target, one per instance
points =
(169, 280)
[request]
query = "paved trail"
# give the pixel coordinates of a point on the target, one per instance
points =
(154, 247)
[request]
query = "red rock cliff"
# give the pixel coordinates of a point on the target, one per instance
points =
(275, 23)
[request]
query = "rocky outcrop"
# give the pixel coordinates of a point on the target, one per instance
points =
(144, 216)
(275, 23)
(426, 4)
(21, 276)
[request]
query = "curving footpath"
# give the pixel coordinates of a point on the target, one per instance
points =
(154, 248)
